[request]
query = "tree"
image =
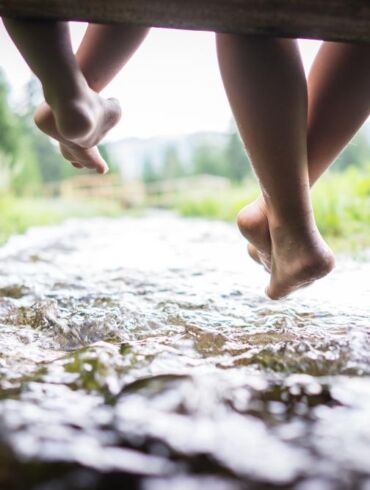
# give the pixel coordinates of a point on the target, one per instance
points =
(209, 159)
(149, 173)
(238, 165)
(357, 153)
(50, 163)
(172, 167)
(17, 159)
(9, 130)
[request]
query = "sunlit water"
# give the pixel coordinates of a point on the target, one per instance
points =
(142, 353)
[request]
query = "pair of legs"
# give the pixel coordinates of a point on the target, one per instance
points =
(74, 113)
(292, 131)
(291, 134)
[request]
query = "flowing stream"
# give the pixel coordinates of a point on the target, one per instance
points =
(141, 353)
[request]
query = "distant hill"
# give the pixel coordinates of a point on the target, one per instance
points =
(130, 154)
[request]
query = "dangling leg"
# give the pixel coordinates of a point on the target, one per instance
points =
(338, 104)
(81, 116)
(266, 86)
(104, 50)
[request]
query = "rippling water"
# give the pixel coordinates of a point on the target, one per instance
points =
(142, 353)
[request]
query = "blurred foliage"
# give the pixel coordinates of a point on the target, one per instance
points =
(356, 153)
(236, 157)
(341, 202)
(17, 214)
(150, 173)
(172, 166)
(28, 161)
(28, 158)
(209, 159)
(341, 198)
(18, 160)
(106, 154)
(225, 205)
(229, 160)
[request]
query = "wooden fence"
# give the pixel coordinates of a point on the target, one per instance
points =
(135, 193)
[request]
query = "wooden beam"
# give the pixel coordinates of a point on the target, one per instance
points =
(336, 20)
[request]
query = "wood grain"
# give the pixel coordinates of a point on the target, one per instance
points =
(337, 20)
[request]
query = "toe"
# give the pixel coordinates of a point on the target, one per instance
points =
(93, 160)
(81, 157)
(98, 162)
(252, 251)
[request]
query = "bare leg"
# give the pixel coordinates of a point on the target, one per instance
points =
(81, 116)
(266, 86)
(338, 104)
(104, 50)
(339, 101)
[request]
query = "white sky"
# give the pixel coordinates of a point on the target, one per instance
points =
(171, 85)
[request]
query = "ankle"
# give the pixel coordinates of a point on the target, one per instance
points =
(296, 218)
(57, 95)
(76, 119)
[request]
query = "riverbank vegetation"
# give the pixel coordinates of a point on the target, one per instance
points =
(341, 202)
(31, 167)
(30, 163)
(17, 214)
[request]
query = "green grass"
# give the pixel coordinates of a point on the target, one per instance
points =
(342, 209)
(18, 214)
(224, 205)
(341, 204)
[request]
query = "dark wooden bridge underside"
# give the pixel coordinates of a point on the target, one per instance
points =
(336, 20)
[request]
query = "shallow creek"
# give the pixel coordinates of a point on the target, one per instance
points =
(142, 353)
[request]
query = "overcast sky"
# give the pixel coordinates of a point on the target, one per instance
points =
(171, 85)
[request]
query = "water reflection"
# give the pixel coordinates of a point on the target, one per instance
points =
(142, 352)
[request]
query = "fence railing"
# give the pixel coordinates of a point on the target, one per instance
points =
(135, 193)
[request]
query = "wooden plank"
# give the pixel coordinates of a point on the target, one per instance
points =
(341, 20)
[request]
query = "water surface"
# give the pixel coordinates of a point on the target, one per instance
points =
(142, 353)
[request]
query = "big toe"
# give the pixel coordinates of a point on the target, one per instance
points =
(84, 157)
(260, 257)
(253, 253)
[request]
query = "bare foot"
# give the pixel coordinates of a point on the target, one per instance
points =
(299, 257)
(78, 155)
(86, 121)
(295, 258)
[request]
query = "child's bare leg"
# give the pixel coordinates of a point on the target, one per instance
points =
(338, 104)
(339, 101)
(81, 116)
(266, 86)
(104, 50)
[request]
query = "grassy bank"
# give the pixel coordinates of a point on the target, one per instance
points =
(341, 203)
(18, 214)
